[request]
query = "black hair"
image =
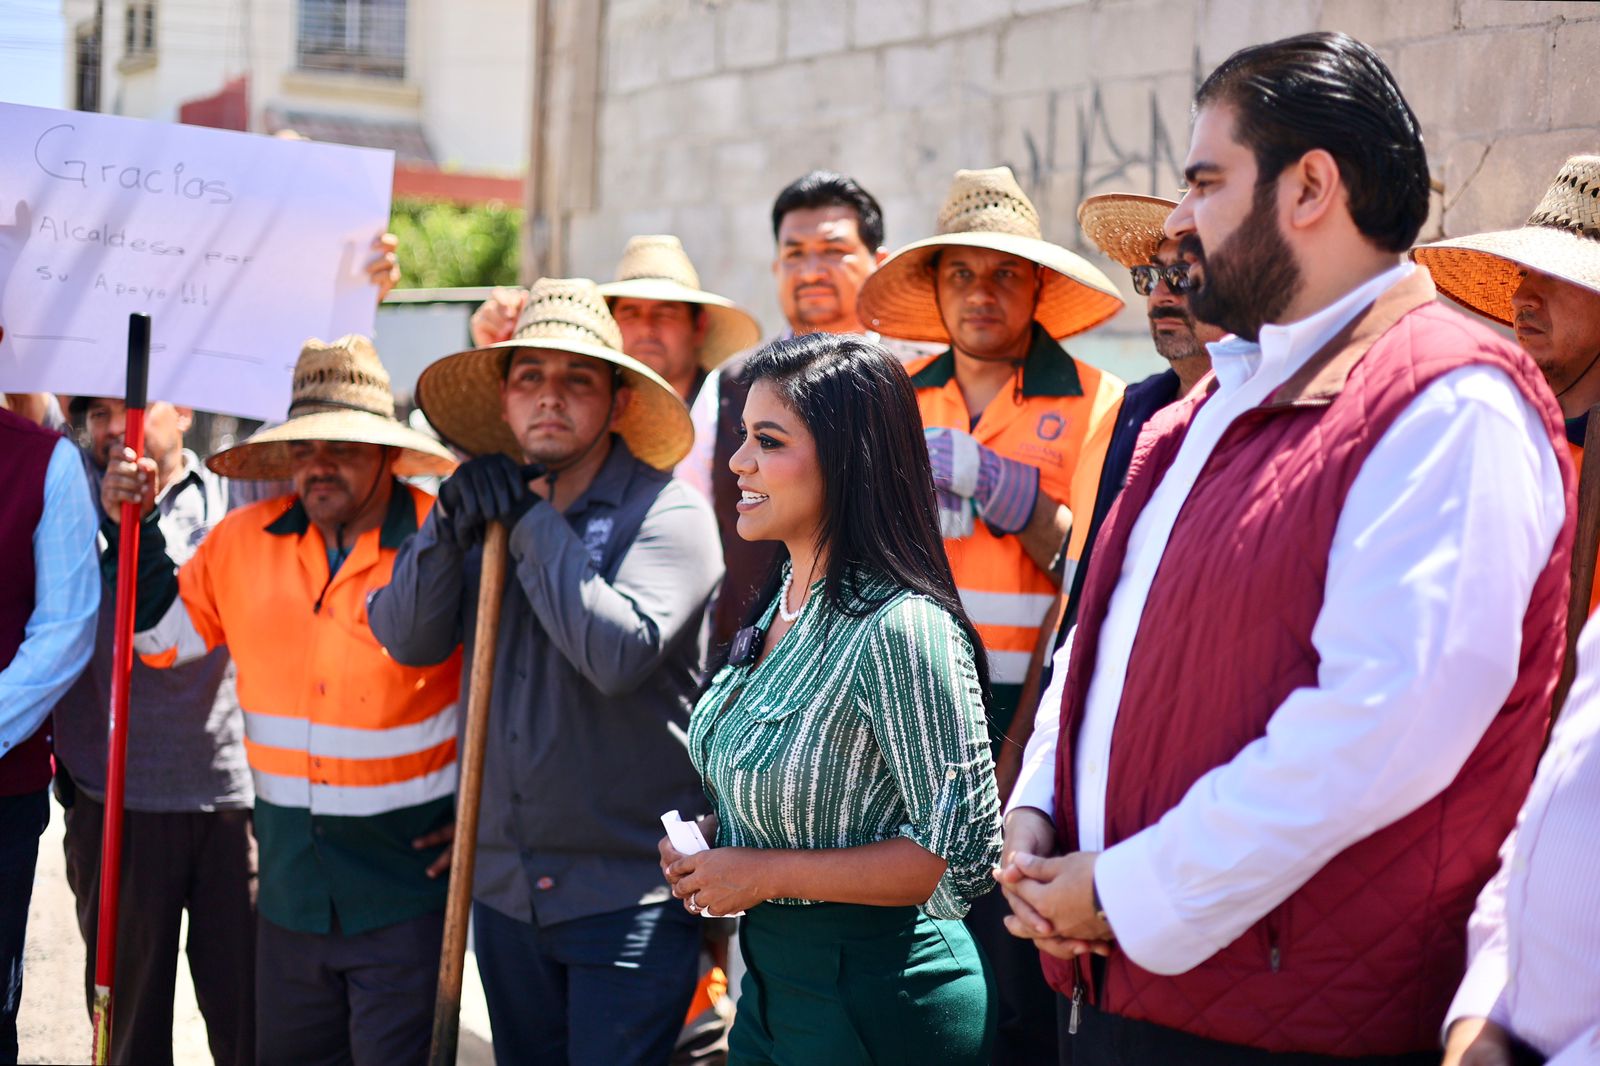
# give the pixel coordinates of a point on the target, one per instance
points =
(1331, 91)
(824, 188)
(879, 517)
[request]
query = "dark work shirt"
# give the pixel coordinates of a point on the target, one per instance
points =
(597, 665)
(1139, 403)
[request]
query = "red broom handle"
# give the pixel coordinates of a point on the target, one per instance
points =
(121, 676)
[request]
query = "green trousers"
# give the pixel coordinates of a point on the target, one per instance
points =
(841, 985)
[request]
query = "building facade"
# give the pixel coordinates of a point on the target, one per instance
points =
(444, 83)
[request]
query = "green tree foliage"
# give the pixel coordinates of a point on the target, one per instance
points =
(448, 245)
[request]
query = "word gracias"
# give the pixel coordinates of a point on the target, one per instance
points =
(153, 180)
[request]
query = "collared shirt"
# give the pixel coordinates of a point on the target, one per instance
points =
(59, 636)
(597, 665)
(185, 732)
(1534, 938)
(353, 754)
(1461, 492)
(855, 730)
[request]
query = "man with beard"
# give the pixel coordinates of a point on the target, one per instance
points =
(1543, 280)
(1322, 626)
(353, 755)
(1016, 431)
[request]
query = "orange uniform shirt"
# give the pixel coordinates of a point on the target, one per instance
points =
(1577, 466)
(1057, 414)
(353, 755)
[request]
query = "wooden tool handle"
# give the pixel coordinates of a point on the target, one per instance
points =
(464, 854)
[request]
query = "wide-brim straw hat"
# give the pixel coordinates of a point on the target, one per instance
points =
(655, 267)
(1127, 227)
(1561, 238)
(340, 393)
(460, 393)
(985, 209)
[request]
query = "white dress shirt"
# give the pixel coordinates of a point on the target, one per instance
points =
(1534, 939)
(1443, 533)
(696, 467)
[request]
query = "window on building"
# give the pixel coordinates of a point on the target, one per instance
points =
(139, 28)
(86, 68)
(353, 36)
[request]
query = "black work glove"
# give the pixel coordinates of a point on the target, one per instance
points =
(482, 490)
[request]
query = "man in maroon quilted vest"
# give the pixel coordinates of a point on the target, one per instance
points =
(1322, 624)
(49, 597)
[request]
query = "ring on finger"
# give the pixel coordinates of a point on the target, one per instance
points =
(694, 902)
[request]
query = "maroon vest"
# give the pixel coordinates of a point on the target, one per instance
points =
(25, 450)
(747, 562)
(1364, 958)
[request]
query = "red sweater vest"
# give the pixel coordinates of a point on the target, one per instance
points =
(26, 449)
(1364, 958)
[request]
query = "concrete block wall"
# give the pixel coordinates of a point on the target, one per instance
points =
(710, 106)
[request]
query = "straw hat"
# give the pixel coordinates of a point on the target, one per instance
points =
(340, 393)
(460, 393)
(1561, 238)
(985, 209)
(657, 268)
(1127, 227)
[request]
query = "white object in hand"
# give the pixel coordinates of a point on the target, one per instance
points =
(685, 836)
(688, 840)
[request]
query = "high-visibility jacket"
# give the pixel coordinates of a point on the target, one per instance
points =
(353, 754)
(1057, 414)
(1576, 427)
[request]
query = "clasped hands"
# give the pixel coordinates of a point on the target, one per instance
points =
(1051, 898)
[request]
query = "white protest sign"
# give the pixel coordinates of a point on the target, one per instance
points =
(239, 247)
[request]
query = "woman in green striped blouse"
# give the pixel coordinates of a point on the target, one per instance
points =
(843, 745)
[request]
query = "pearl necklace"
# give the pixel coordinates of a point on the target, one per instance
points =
(783, 599)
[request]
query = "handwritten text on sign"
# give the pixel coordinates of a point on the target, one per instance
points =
(239, 247)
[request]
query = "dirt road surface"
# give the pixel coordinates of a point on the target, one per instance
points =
(53, 1026)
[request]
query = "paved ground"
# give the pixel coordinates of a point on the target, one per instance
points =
(54, 1025)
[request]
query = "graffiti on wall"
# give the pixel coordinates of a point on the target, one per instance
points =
(1109, 154)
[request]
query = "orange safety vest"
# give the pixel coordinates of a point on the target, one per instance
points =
(1057, 414)
(333, 725)
(1577, 466)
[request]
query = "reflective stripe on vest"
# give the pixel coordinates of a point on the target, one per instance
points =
(1008, 624)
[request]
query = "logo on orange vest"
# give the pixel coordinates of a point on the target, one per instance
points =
(1051, 426)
